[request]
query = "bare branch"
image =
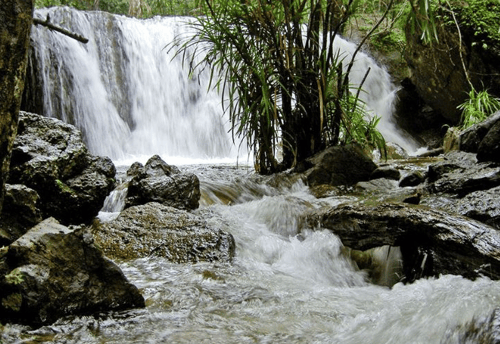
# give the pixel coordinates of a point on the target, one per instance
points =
(46, 23)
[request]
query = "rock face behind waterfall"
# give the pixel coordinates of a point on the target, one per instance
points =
(432, 242)
(159, 230)
(159, 182)
(50, 157)
(53, 271)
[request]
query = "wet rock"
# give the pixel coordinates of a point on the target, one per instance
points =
(460, 174)
(451, 140)
(436, 69)
(471, 137)
(413, 178)
(159, 182)
(381, 185)
(50, 157)
(53, 271)
(339, 165)
(387, 172)
(483, 206)
(489, 148)
(20, 212)
(160, 230)
(432, 241)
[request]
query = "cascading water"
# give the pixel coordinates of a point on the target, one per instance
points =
(124, 92)
(283, 286)
(131, 99)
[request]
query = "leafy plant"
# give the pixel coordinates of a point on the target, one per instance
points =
(478, 107)
(283, 80)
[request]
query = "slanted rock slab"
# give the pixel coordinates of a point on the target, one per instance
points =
(154, 229)
(432, 242)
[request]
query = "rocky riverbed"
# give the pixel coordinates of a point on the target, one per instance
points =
(434, 216)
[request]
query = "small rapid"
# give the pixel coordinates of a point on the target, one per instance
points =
(286, 283)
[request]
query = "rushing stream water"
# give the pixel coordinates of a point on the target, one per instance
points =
(282, 287)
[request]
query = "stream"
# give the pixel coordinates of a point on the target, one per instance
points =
(286, 284)
(282, 286)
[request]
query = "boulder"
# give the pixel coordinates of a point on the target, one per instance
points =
(489, 148)
(432, 241)
(53, 271)
(413, 178)
(460, 174)
(159, 230)
(159, 182)
(482, 206)
(471, 137)
(20, 212)
(339, 165)
(386, 172)
(50, 157)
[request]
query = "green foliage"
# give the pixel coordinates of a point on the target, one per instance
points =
(78, 4)
(479, 17)
(284, 81)
(422, 19)
(478, 107)
(15, 277)
(148, 8)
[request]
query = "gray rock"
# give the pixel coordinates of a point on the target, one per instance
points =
(159, 230)
(489, 148)
(471, 137)
(413, 178)
(53, 271)
(387, 172)
(483, 206)
(380, 185)
(339, 165)
(159, 182)
(432, 241)
(20, 212)
(459, 174)
(50, 157)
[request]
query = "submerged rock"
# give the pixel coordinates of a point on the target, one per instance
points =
(432, 241)
(53, 271)
(50, 157)
(159, 182)
(159, 230)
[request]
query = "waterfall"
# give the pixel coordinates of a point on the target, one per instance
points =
(132, 99)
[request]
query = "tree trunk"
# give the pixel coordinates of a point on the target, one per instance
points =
(15, 28)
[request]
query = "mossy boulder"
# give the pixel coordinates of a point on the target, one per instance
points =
(50, 157)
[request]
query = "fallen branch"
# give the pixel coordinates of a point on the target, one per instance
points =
(51, 26)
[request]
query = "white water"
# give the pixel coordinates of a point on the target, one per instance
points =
(131, 100)
(282, 287)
